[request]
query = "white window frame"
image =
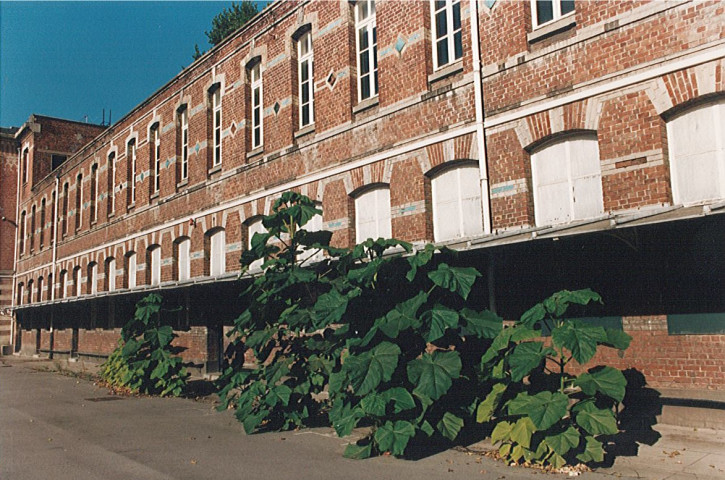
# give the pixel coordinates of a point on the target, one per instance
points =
(255, 75)
(155, 265)
(717, 110)
(112, 192)
(183, 259)
(184, 144)
(571, 214)
(306, 59)
(217, 253)
(64, 283)
(93, 280)
(216, 103)
(462, 172)
(78, 279)
(94, 187)
(366, 25)
(111, 274)
(379, 197)
(131, 269)
(79, 206)
(26, 165)
(556, 8)
(156, 156)
(450, 35)
(131, 157)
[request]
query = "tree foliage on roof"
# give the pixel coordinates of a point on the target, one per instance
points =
(227, 22)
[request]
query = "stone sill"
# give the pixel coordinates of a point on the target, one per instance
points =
(255, 152)
(365, 104)
(557, 26)
(446, 71)
(305, 131)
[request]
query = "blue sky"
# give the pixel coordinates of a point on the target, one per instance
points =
(73, 59)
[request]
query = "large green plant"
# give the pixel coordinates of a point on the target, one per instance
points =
(367, 336)
(543, 413)
(145, 361)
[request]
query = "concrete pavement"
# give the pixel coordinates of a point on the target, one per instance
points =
(59, 426)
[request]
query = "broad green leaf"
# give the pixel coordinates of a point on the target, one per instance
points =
(257, 340)
(274, 372)
(556, 460)
(251, 422)
(483, 324)
(426, 428)
(617, 339)
(394, 437)
(544, 408)
(344, 418)
(160, 337)
(433, 374)
(486, 408)
(368, 369)
(505, 450)
(279, 394)
(593, 451)
(373, 404)
(403, 316)
(501, 432)
(522, 430)
(420, 259)
(401, 398)
(579, 338)
(524, 358)
(607, 381)
(533, 315)
(358, 452)
(130, 348)
(160, 370)
(441, 318)
(366, 274)
(338, 381)
(329, 308)
(562, 442)
(455, 279)
(450, 425)
(596, 421)
(517, 453)
(558, 303)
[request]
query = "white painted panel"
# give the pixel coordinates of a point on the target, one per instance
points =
(457, 209)
(382, 204)
(697, 153)
(184, 260)
(155, 266)
(217, 254)
(255, 227)
(372, 215)
(111, 274)
(132, 271)
(587, 197)
(314, 225)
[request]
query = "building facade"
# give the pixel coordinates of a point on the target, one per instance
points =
(556, 144)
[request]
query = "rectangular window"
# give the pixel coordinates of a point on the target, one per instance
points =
(447, 40)
(184, 170)
(131, 270)
(367, 49)
(79, 201)
(305, 77)
(31, 232)
(110, 274)
(111, 184)
(183, 259)
(257, 105)
(372, 214)
(546, 11)
(21, 236)
(457, 208)
(52, 216)
(216, 101)
(94, 193)
(26, 165)
(155, 158)
(42, 222)
(154, 259)
(131, 162)
(65, 208)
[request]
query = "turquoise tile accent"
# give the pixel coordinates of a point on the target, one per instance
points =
(399, 44)
(489, 3)
(410, 208)
(505, 188)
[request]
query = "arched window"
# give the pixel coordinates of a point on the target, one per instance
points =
(696, 140)
(21, 233)
(42, 223)
(217, 252)
(77, 281)
(567, 180)
(51, 288)
(79, 201)
(254, 225)
(26, 165)
(21, 290)
(94, 193)
(63, 284)
(65, 207)
(153, 264)
(130, 269)
(110, 268)
(31, 232)
(183, 258)
(30, 291)
(39, 295)
(372, 214)
(92, 278)
(457, 209)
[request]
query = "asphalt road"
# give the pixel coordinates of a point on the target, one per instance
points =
(59, 427)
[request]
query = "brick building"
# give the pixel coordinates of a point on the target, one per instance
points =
(556, 144)
(8, 193)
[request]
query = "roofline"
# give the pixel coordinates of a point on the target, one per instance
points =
(35, 116)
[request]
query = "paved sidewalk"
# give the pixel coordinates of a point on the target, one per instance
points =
(46, 417)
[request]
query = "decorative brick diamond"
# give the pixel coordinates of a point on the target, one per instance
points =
(400, 45)
(276, 108)
(233, 128)
(331, 79)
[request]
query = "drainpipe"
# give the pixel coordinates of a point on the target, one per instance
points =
(13, 326)
(478, 105)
